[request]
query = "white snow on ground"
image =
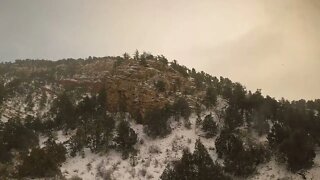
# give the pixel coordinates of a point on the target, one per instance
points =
(275, 170)
(154, 154)
(151, 160)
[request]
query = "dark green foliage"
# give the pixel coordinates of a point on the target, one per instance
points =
(2, 92)
(196, 166)
(78, 141)
(95, 126)
(244, 163)
(29, 102)
(181, 108)
(298, 150)
(57, 152)
(118, 62)
(5, 155)
(277, 134)
(238, 97)
(156, 122)
(122, 102)
(143, 58)
(43, 162)
(233, 118)
(227, 144)
(181, 69)
(34, 123)
(43, 100)
(160, 86)
(239, 160)
(102, 99)
(125, 138)
(211, 97)
(225, 88)
(136, 55)
(296, 147)
(126, 56)
(38, 164)
(163, 60)
(101, 132)
(209, 126)
(65, 112)
(16, 136)
(86, 112)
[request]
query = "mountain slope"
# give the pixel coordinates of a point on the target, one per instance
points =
(140, 118)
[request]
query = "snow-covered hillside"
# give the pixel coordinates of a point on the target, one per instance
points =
(154, 154)
(137, 118)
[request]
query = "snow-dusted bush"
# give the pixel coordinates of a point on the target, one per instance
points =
(143, 172)
(154, 149)
(102, 172)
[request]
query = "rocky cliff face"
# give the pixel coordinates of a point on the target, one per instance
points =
(126, 81)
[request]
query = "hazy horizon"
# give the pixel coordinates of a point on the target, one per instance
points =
(263, 44)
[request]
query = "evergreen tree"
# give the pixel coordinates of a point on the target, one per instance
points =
(277, 134)
(136, 55)
(196, 166)
(126, 56)
(43, 100)
(101, 131)
(211, 97)
(78, 141)
(57, 152)
(65, 112)
(2, 92)
(16, 136)
(296, 147)
(156, 122)
(160, 86)
(238, 97)
(298, 150)
(163, 60)
(143, 59)
(239, 159)
(181, 108)
(125, 138)
(102, 98)
(43, 162)
(233, 118)
(209, 126)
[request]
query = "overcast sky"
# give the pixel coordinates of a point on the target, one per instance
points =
(273, 45)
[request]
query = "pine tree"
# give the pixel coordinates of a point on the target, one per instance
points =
(65, 112)
(209, 126)
(234, 118)
(156, 122)
(125, 138)
(136, 55)
(181, 108)
(126, 56)
(78, 141)
(2, 92)
(196, 166)
(102, 98)
(211, 97)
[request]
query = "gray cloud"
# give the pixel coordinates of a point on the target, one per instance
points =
(268, 44)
